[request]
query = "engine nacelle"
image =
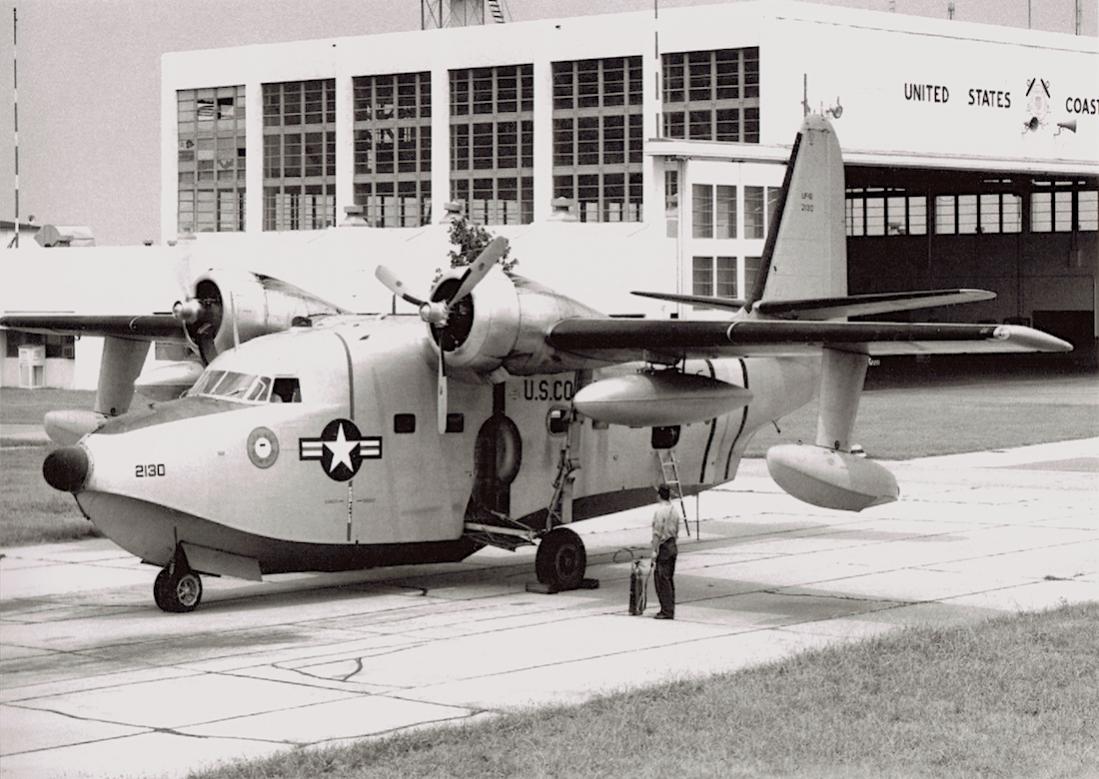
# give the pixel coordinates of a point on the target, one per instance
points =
(503, 324)
(830, 478)
(232, 304)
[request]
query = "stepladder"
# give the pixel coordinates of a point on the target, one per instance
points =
(669, 470)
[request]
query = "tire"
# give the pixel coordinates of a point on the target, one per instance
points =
(160, 590)
(561, 560)
(177, 592)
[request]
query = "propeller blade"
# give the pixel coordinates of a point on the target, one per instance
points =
(441, 403)
(395, 285)
(477, 270)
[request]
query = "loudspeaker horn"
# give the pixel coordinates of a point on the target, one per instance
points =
(1069, 125)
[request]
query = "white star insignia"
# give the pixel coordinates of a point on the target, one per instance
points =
(341, 450)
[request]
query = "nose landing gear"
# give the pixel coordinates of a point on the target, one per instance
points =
(177, 588)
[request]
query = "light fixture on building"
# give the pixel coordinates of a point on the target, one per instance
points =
(454, 209)
(562, 210)
(353, 216)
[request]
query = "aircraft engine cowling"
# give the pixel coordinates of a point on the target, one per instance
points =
(503, 323)
(231, 305)
(830, 478)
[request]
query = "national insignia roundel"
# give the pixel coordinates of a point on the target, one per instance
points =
(341, 449)
(263, 447)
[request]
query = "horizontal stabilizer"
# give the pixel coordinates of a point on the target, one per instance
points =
(731, 304)
(862, 305)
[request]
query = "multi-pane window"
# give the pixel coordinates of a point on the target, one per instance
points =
(712, 95)
(392, 175)
(299, 155)
(492, 143)
(754, 225)
(714, 276)
(967, 214)
(57, 346)
(597, 138)
(713, 211)
(880, 211)
(1063, 206)
(210, 159)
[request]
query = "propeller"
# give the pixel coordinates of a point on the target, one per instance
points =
(437, 313)
(200, 314)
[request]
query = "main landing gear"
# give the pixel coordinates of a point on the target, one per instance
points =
(177, 588)
(561, 560)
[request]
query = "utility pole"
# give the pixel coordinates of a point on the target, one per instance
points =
(15, 109)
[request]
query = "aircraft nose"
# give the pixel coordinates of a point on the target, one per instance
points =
(67, 468)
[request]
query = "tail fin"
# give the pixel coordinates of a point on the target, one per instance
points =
(805, 255)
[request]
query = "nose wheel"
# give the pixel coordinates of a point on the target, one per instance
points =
(177, 588)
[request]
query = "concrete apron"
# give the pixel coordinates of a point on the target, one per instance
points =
(95, 680)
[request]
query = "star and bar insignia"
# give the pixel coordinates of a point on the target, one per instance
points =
(341, 449)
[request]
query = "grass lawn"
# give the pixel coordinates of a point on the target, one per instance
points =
(1012, 697)
(27, 407)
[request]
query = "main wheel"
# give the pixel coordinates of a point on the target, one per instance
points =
(177, 591)
(561, 559)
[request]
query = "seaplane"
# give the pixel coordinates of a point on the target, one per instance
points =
(498, 414)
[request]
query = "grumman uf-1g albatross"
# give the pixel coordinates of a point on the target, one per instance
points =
(316, 439)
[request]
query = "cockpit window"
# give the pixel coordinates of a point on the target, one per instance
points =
(286, 390)
(206, 382)
(260, 390)
(233, 385)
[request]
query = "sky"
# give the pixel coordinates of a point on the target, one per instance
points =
(89, 75)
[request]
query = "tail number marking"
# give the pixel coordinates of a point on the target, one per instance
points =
(149, 471)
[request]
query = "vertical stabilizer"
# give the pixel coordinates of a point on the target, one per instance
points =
(805, 255)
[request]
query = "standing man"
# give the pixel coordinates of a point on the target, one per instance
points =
(666, 521)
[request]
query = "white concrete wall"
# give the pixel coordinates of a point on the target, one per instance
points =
(864, 58)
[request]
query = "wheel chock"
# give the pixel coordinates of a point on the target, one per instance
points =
(548, 589)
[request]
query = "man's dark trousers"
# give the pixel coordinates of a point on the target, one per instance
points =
(664, 576)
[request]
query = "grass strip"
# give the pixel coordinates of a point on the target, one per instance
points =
(1014, 696)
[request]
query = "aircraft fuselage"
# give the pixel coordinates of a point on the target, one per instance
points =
(352, 473)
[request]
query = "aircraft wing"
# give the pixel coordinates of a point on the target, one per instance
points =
(626, 340)
(146, 327)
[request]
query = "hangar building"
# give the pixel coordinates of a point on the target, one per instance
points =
(972, 151)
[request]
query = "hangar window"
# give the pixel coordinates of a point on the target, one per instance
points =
(299, 177)
(492, 133)
(597, 138)
(671, 201)
(754, 226)
(1041, 212)
(702, 211)
(967, 214)
(712, 95)
(881, 211)
(752, 266)
(1063, 206)
(714, 277)
(392, 148)
(1087, 201)
(210, 159)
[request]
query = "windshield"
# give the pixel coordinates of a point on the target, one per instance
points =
(246, 387)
